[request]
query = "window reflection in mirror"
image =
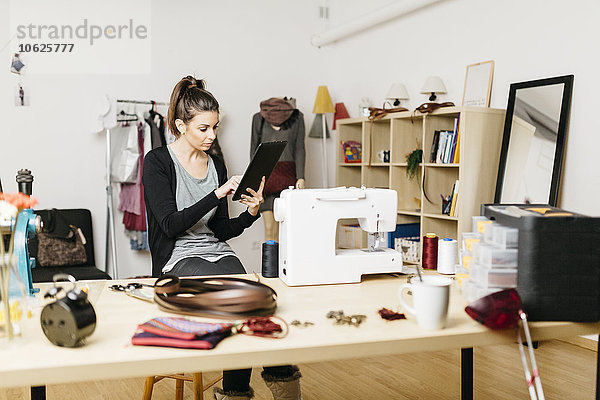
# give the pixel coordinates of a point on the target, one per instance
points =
(533, 142)
(532, 145)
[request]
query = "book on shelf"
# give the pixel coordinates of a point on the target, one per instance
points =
(441, 147)
(449, 144)
(454, 140)
(456, 158)
(434, 146)
(446, 143)
(454, 199)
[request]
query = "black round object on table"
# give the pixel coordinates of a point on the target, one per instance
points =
(69, 320)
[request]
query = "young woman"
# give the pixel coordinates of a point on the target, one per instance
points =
(186, 191)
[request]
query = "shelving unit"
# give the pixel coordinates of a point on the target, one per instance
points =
(419, 199)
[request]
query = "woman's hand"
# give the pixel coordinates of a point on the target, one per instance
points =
(253, 202)
(229, 187)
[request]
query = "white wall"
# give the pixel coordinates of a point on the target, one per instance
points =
(249, 51)
(246, 51)
(527, 40)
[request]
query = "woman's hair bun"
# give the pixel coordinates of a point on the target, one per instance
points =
(199, 83)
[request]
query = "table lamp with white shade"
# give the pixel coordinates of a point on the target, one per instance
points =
(396, 93)
(433, 85)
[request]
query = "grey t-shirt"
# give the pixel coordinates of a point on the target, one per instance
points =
(199, 240)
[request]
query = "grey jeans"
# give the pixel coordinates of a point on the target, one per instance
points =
(194, 266)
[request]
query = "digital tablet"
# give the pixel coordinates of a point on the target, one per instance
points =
(262, 164)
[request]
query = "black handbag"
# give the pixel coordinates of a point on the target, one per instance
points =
(60, 243)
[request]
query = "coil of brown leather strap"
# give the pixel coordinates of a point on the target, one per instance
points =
(222, 297)
(430, 107)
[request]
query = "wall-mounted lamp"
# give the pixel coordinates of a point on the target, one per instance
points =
(397, 92)
(433, 85)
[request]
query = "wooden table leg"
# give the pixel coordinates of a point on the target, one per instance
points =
(38, 393)
(466, 373)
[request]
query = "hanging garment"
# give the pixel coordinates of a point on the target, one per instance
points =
(138, 240)
(125, 150)
(157, 130)
(129, 196)
(134, 194)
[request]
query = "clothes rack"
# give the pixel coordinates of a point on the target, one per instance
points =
(111, 241)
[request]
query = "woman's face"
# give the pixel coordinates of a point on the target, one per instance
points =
(201, 131)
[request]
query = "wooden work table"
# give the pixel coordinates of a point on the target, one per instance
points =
(108, 354)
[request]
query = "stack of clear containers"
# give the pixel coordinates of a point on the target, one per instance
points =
(488, 259)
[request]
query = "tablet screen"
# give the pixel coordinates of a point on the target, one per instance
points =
(262, 164)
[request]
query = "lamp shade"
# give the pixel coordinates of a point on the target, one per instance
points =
(340, 113)
(316, 130)
(323, 103)
(433, 84)
(397, 91)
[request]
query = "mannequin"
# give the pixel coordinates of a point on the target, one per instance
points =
(278, 120)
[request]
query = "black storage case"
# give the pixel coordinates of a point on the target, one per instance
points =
(558, 275)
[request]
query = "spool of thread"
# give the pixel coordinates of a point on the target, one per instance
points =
(430, 251)
(447, 256)
(270, 259)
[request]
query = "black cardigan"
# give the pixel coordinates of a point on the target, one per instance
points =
(165, 223)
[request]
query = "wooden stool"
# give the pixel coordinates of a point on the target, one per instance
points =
(196, 378)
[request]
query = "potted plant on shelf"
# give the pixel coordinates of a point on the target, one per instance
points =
(413, 160)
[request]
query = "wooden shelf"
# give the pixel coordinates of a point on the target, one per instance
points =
(349, 165)
(408, 212)
(440, 216)
(401, 133)
(436, 165)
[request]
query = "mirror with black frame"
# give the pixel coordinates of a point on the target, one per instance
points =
(534, 140)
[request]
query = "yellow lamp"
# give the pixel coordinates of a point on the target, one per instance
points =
(323, 105)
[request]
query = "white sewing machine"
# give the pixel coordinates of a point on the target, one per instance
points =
(308, 221)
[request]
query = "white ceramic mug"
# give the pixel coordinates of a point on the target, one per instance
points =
(430, 300)
(383, 155)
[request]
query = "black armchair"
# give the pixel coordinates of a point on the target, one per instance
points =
(82, 218)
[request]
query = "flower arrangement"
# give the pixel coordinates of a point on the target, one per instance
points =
(11, 204)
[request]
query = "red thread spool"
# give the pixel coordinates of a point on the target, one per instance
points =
(430, 251)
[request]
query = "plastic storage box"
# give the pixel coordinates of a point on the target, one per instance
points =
(505, 237)
(490, 256)
(558, 275)
(493, 278)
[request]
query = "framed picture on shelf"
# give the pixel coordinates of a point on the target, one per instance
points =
(478, 84)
